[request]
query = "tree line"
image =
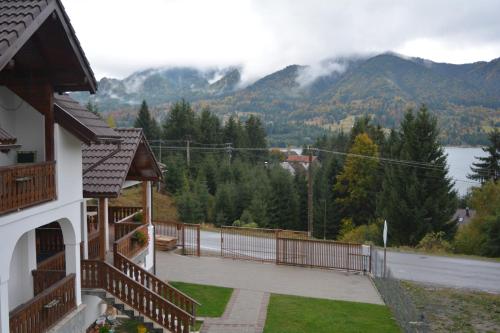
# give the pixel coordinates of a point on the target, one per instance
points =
(363, 177)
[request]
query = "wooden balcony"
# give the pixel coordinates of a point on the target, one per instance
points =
(26, 185)
(45, 309)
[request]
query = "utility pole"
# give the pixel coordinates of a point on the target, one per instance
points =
(160, 150)
(188, 157)
(324, 221)
(229, 151)
(309, 196)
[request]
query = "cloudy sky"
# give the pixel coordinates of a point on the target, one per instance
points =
(123, 36)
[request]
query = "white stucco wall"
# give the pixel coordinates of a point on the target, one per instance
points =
(22, 262)
(24, 122)
(68, 155)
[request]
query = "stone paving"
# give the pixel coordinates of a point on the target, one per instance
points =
(267, 277)
(245, 313)
(253, 282)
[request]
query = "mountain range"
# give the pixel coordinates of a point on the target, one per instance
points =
(300, 102)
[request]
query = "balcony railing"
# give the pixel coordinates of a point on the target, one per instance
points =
(128, 246)
(45, 309)
(26, 185)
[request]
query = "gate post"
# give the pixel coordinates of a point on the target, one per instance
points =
(198, 252)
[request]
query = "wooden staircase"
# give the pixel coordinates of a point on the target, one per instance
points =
(141, 296)
(126, 310)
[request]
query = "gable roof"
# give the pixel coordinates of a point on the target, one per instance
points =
(85, 125)
(134, 160)
(300, 158)
(19, 20)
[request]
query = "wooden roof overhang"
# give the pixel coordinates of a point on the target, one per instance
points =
(39, 45)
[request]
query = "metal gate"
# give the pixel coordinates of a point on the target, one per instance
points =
(188, 235)
(289, 247)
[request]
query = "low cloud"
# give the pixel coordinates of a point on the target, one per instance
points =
(123, 36)
(309, 74)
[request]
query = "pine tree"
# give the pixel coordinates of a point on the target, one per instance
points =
(210, 128)
(149, 125)
(283, 200)
(417, 200)
(180, 123)
(488, 167)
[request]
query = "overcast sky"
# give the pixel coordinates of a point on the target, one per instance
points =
(123, 36)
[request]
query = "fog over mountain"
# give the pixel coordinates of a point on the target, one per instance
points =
(324, 96)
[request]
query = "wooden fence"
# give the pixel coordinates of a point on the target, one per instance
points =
(292, 248)
(45, 309)
(187, 235)
(101, 275)
(22, 186)
(120, 213)
(324, 254)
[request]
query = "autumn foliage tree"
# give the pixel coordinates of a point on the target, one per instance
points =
(357, 182)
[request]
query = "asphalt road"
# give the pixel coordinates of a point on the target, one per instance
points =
(446, 271)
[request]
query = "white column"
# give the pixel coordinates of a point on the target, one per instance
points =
(73, 266)
(148, 202)
(31, 259)
(85, 236)
(106, 223)
(4, 306)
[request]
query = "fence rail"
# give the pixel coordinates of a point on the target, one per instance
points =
(45, 309)
(94, 245)
(98, 274)
(187, 235)
(22, 186)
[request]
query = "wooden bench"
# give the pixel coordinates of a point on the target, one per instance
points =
(165, 243)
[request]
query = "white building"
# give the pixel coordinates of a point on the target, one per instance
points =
(46, 278)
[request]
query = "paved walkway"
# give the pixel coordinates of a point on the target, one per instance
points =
(267, 278)
(245, 313)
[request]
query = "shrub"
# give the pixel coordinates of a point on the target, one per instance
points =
(482, 235)
(366, 233)
(140, 237)
(435, 242)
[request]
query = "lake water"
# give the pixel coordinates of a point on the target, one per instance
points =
(459, 161)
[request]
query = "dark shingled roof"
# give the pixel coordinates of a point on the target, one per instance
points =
(6, 138)
(19, 20)
(107, 178)
(82, 123)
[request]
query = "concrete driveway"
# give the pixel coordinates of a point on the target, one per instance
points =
(272, 278)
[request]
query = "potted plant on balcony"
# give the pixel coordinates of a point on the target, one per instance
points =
(140, 238)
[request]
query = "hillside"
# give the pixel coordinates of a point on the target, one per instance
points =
(300, 102)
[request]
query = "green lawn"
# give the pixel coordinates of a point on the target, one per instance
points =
(213, 299)
(294, 314)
